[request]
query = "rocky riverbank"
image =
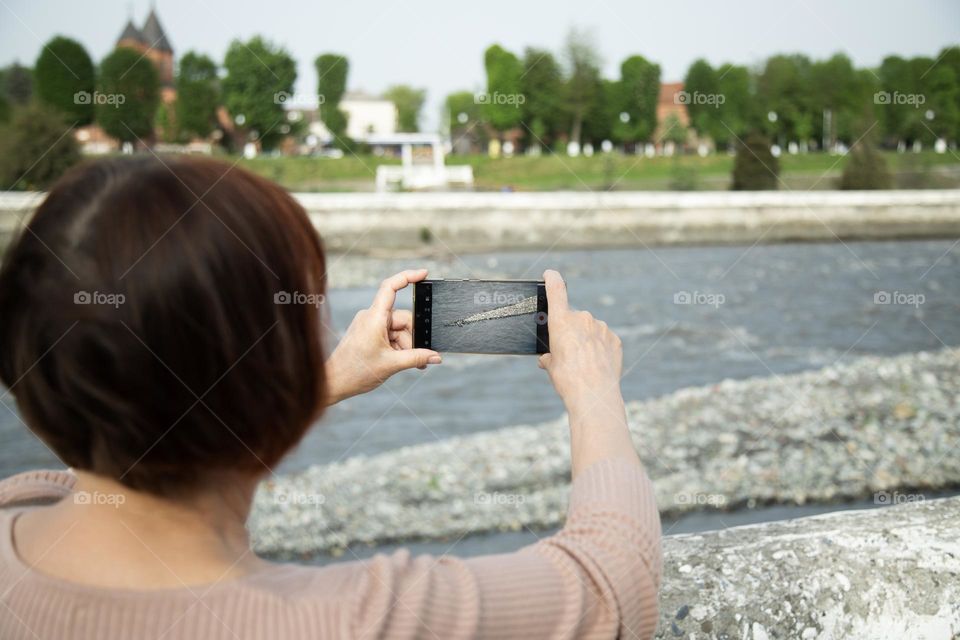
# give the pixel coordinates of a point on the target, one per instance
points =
(882, 427)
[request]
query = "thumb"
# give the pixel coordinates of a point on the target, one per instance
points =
(413, 358)
(544, 361)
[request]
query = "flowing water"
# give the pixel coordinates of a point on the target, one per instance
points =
(687, 316)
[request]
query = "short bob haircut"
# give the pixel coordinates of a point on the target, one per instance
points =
(160, 321)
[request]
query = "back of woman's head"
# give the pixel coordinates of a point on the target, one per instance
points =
(159, 321)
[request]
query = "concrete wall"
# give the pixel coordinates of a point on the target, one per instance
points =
(365, 222)
(892, 572)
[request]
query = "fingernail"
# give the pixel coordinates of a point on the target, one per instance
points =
(434, 360)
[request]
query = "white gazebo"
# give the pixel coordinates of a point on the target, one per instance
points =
(409, 175)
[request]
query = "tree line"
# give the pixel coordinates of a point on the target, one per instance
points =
(254, 83)
(788, 98)
(538, 99)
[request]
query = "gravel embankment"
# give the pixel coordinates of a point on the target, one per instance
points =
(847, 431)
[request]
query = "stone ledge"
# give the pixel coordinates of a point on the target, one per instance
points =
(469, 221)
(892, 572)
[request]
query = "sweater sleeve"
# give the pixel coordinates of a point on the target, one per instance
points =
(598, 577)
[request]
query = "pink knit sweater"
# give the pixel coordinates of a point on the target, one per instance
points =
(596, 578)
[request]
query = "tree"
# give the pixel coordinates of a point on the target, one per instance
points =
(601, 114)
(259, 80)
(784, 89)
(409, 103)
(198, 95)
(701, 88)
(941, 86)
(583, 75)
(504, 99)
(4, 109)
(836, 86)
(332, 70)
(543, 111)
(461, 117)
(674, 131)
(639, 94)
(17, 84)
(754, 167)
(917, 100)
(128, 95)
(897, 118)
(950, 58)
(739, 112)
(35, 148)
(462, 102)
(64, 79)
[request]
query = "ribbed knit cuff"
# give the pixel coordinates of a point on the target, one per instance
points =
(41, 485)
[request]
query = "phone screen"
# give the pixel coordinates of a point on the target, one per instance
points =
(481, 316)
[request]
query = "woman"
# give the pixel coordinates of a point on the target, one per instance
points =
(144, 335)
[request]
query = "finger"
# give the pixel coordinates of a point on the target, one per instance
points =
(387, 293)
(544, 361)
(403, 339)
(401, 319)
(414, 358)
(556, 292)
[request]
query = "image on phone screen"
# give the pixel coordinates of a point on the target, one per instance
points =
(481, 316)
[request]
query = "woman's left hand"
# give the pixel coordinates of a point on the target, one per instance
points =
(377, 344)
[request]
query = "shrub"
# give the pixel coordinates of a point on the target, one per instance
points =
(755, 168)
(865, 169)
(36, 147)
(683, 177)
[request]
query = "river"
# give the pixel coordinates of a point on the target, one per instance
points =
(755, 311)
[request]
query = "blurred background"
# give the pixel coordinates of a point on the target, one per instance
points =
(746, 191)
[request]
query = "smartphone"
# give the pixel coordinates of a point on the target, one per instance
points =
(481, 316)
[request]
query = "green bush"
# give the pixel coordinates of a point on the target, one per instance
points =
(36, 147)
(683, 177)
(866, 168)
(755, 168)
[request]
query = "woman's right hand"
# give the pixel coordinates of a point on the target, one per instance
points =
(584, 364)
(585, 356)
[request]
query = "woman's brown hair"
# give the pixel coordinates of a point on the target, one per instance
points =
(160, 321)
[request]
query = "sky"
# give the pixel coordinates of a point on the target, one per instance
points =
(438, 44)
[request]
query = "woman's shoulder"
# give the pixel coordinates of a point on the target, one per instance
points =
(35, 487)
